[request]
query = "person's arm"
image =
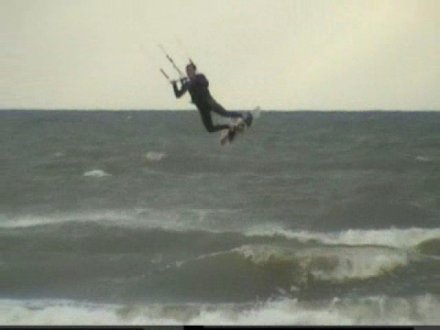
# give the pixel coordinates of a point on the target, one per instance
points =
(178, 93)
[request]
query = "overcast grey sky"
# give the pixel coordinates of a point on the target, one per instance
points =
(279, 54)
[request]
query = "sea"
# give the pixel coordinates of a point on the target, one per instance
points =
(142, 218)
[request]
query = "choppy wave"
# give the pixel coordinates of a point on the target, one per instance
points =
(228, 259)
(373, 310)
(189, 220)
(147, 255)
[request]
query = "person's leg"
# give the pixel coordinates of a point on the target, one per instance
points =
(218, 109)
(207, 121)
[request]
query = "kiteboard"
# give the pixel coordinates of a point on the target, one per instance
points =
(239, 126)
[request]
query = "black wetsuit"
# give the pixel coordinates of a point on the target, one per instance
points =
(205, 103)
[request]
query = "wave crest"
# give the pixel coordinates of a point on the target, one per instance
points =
(334, 264)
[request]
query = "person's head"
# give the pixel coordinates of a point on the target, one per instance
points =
(191, 70)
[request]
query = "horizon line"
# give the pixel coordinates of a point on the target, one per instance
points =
(187, 110)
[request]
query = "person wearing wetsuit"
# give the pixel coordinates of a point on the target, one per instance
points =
(197, 86)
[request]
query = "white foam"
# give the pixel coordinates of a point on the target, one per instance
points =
(64, 312)
(35, 220)
(393, 237)
(175, 220)
(154, 156)
(375, 310)
(423, 159)
(96, 173)
(59, 154)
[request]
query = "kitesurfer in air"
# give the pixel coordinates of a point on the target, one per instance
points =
(197, 86)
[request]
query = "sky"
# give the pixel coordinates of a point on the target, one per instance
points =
(278, 54)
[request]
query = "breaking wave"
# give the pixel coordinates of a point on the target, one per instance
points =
(291, 268)
(373, 310)
(392, 237)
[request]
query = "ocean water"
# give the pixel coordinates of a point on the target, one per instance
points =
(309, 218)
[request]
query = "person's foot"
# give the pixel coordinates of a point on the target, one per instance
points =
(248, 119)
(231, 135)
